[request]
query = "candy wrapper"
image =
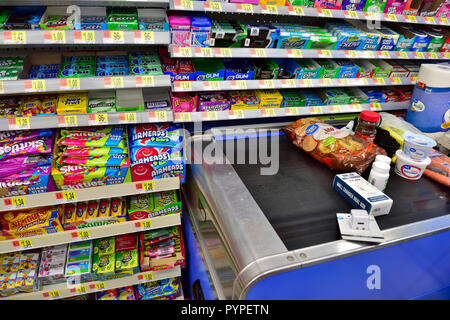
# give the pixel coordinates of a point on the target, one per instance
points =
(91, 152)
(337, 148)
(8, 150)
(99, 161)
(155, 135)
(17, 164)
(24, 135)
(93, 141)
(93, 132)
(156, 154)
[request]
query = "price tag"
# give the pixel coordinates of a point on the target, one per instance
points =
(84, 36)
(128, 117)
(143, 225)
(67, 121)
(143, 187)
(159, 115)
(183, 116)
(384, 54)
(396, 80)
(54, 294)
(213, 6)
(23, 244)
(259, 53)
(402, 54)
(182, 52)
(212, 115)
(19, 123)
(206, 52)
(268, 83)
(432, 55)
(411, 18)
(324, 12)
(351, 53)
(144, 36)
(224, 52)
(145, 277)
(419, 55)
(307, 82)
(96, 119)
(351, 14)
(113, 82)
(364, 81)
(101, 286)
(66, 196)
(269, 9)
(344, 82)
(288, 83)
(446, 55)
(326, 82)
(368, 54)
(269, 112)
(212, 85)
(2, 87)
(34, 85)
(294, 53)
(81, 235)
(324, 53)
(81, 289)
(315, 110)
(14, 37)
(244, 7)
(356, 107)
(292, 110)
(379, 80)
(113, 36)
(237, 114)
(145, 81)
(375, 106)
(390, 17)
(55, 36)
(185, 85)
(413, 79)
(371, 15)
(443, 20)
(335, 109)
(69, 83)
(296, 11)
(430, 20)
(239, 84)
(186, 5)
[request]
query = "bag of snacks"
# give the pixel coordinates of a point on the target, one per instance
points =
(339, 149)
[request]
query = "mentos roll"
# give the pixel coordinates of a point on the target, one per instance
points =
(429, 109)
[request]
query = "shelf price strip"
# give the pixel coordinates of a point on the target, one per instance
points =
(69, 83)
(67, 121)
(98, 119)
(55, 36)
(143, 225)
(145, 277)
(296, 11)
(113, 82)
(34, 85)
(127, 117)
(22, 244)
(184, 5)
(15, 203)
(54, 294)
(238, 114)
(14, 37)
(84, 36)
(144, 36)
(113, 36)
(19, 123)
(143, 187)
(158, 115)
(80, 235)
(66, 196)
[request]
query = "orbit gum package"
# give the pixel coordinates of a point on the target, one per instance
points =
(156, 151)
(91, 156)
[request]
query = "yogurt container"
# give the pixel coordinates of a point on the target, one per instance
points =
(408, 168)
(417, 146)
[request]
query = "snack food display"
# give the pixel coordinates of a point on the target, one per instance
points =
(336, 148)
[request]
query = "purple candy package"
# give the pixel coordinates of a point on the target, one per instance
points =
(213, 101)
(24, 183)
(8, 150)
(24, 135)
(353, 5)
(20, 163)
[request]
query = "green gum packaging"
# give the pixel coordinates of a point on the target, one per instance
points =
(127, 261)
(104, 246)
(329, 68)
(292, 99)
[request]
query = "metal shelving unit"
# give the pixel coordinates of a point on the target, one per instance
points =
(109, 3)
(285, 112)
(64, 290)
(188, 5)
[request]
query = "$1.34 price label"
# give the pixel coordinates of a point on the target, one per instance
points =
(15, 203)
(23, 244)
(66, 196)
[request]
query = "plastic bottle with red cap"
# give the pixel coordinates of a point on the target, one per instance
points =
(367, 125)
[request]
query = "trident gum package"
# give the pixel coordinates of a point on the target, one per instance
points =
(337, 148)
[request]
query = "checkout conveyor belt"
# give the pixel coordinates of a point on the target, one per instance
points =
(280, 235)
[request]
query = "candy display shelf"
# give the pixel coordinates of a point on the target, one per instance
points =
(85, 83)
(285, 112)
(301, 11)
(83, 120)
(183, 86)
(86, 194)
(106, 230)
(109, 3)
(63, 290)
(197, 52)
(83, 37)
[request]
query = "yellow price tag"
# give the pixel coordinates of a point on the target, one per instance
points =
(307, 83)
(298, 10)
(364, 81)
(269, 83)
(356, 106)
(146, 81)
(369, 54)
(432, 55)
(69, 195)
(214, 85)
(375, 106)
(295, 53)
(38, 85)
(117, 35)
(247, 7)
(259, 52)
(22, 122)
(225, 52)
(325, 53)
(352, 14)
(446, 55)
(317, 110)
(161, 115)
(272, 9)
(15, 203)
(325, 12)
(411, 18)
(186, 85)
(327, 82)
(212, 115)
(130, 117)
(429, 19)
(186, 4)
(113, 82)
(58, 35)
(185, 116)
(25, 243)
(289, 82)
(82, 289)
(396, 80)
(53, 294)
(147, 276)
(384, 54)
(69, 120)
(71, 83)
(335, 108)
(147, 36)
(101, 118)
(238, 113)
(419, 55)
(391, 17)
(371, 15)
(293, 110)
(344, 82)
(2, 87)
(18, 36)
(185, 51)
(207, 52)
(402, 54)
(146, 224)
(379, 80)
(87, 36)
(100, 286)
(241, 84)
(84, 234)
(351, 53)
(215, 6)
(444, 20)
(149, 185)
(269, 112)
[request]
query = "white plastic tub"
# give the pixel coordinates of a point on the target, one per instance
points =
(410, 169)
(417, 146)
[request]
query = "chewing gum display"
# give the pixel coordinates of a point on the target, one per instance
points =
(97, 161)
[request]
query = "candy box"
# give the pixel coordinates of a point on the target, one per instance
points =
(156, 135)
(78, 255)
(398, 70)
(180, 27)
(328, 4)
(382, 70)
(92, 18)
(226, 34)
(412, 68)
(24, 18)
(72, 103)
(157, 289)
(389, 39)
(347, 69)
(328, 68)
(26, 280)
(288, 68)
(153, 19)
(356, 95)
(443, 11)
(101, 101)
(103, 265)
(353, 5)
(130, 99)
(104, 246)
(334, 96)
(374, 95)
(29, 181)
(309, 69)
(394, 6)
(10, 264)
(107, 295)
(269, 98)
(122, 18)
(126, 293)
(375, 5)
(304, 3)
(312, 98)
(28, 261)
(208, 69)
(372, 38)
(57, 18)
(260, 36)
(8, 284)
(238, 69)
(265, 68)
(142, 171)
(412, 7)
(200, 30)
(272, 2)
(213, 101)
(366, 69)
(292, 98)
(437, 39)
(127, 261)
(244, 100)
(392, 95)
(289, 39)
(183, 101)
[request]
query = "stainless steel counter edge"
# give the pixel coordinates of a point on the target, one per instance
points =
(305, 257)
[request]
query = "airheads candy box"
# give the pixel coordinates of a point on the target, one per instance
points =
(158, 170)
(151, 205)
(155, 135)
(152, 154)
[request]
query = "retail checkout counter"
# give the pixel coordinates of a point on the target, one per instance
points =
(277, 236)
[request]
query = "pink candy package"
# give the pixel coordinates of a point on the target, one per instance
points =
(24, 135)
(20, 163)
(328, 4)
(395, 6)
(8, 150)
(444, 10)
(180, 27)
(183, 101)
